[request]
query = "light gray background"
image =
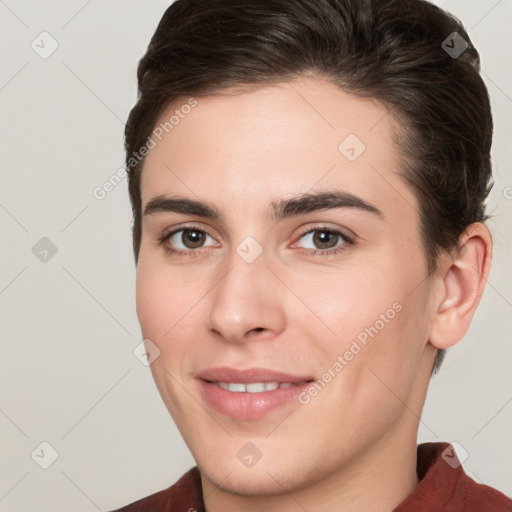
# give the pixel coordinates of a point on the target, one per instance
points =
(68, 326)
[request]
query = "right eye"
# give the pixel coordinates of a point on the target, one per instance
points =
(191, 239)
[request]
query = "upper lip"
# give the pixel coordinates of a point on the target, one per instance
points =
(226, 374)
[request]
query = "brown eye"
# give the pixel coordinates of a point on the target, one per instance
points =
(323, 238)
(185, 241)
(192, 238)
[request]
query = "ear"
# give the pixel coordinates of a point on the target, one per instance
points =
(462, 284)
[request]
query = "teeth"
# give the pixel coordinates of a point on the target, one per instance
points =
(253, 387)
(235, 387)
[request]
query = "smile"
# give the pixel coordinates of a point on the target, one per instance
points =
(253, 387)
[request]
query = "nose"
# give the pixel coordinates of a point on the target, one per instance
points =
(247, 302)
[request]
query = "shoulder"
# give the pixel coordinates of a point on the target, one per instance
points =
(445, 484)
(483, 497)
(185, 496)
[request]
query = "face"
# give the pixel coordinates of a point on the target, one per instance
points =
(291, 311)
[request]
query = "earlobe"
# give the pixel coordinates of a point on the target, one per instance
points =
(462, 286)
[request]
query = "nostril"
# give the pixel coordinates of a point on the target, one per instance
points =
(255, 330)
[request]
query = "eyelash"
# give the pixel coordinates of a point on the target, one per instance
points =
(192, 253)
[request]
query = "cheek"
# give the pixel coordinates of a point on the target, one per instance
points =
(367, 313)
(148, 298)
(162, 304)
(343, 301)
(160, 301)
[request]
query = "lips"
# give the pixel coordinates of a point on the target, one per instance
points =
(251, 393)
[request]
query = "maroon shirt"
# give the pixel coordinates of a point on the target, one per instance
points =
(443, 486)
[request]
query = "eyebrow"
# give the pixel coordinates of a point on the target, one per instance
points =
(280, 209)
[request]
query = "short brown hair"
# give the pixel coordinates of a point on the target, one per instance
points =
(388, 50)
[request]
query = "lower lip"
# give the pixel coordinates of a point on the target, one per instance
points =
(248, 406)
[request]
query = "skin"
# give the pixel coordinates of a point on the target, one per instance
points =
(353, 446)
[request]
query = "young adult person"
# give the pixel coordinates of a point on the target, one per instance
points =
(308, 182)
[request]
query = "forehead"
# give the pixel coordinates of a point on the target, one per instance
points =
(259, 144)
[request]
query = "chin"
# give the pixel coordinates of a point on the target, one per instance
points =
(250, 482)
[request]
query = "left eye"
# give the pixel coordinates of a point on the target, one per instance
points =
(323, 238)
